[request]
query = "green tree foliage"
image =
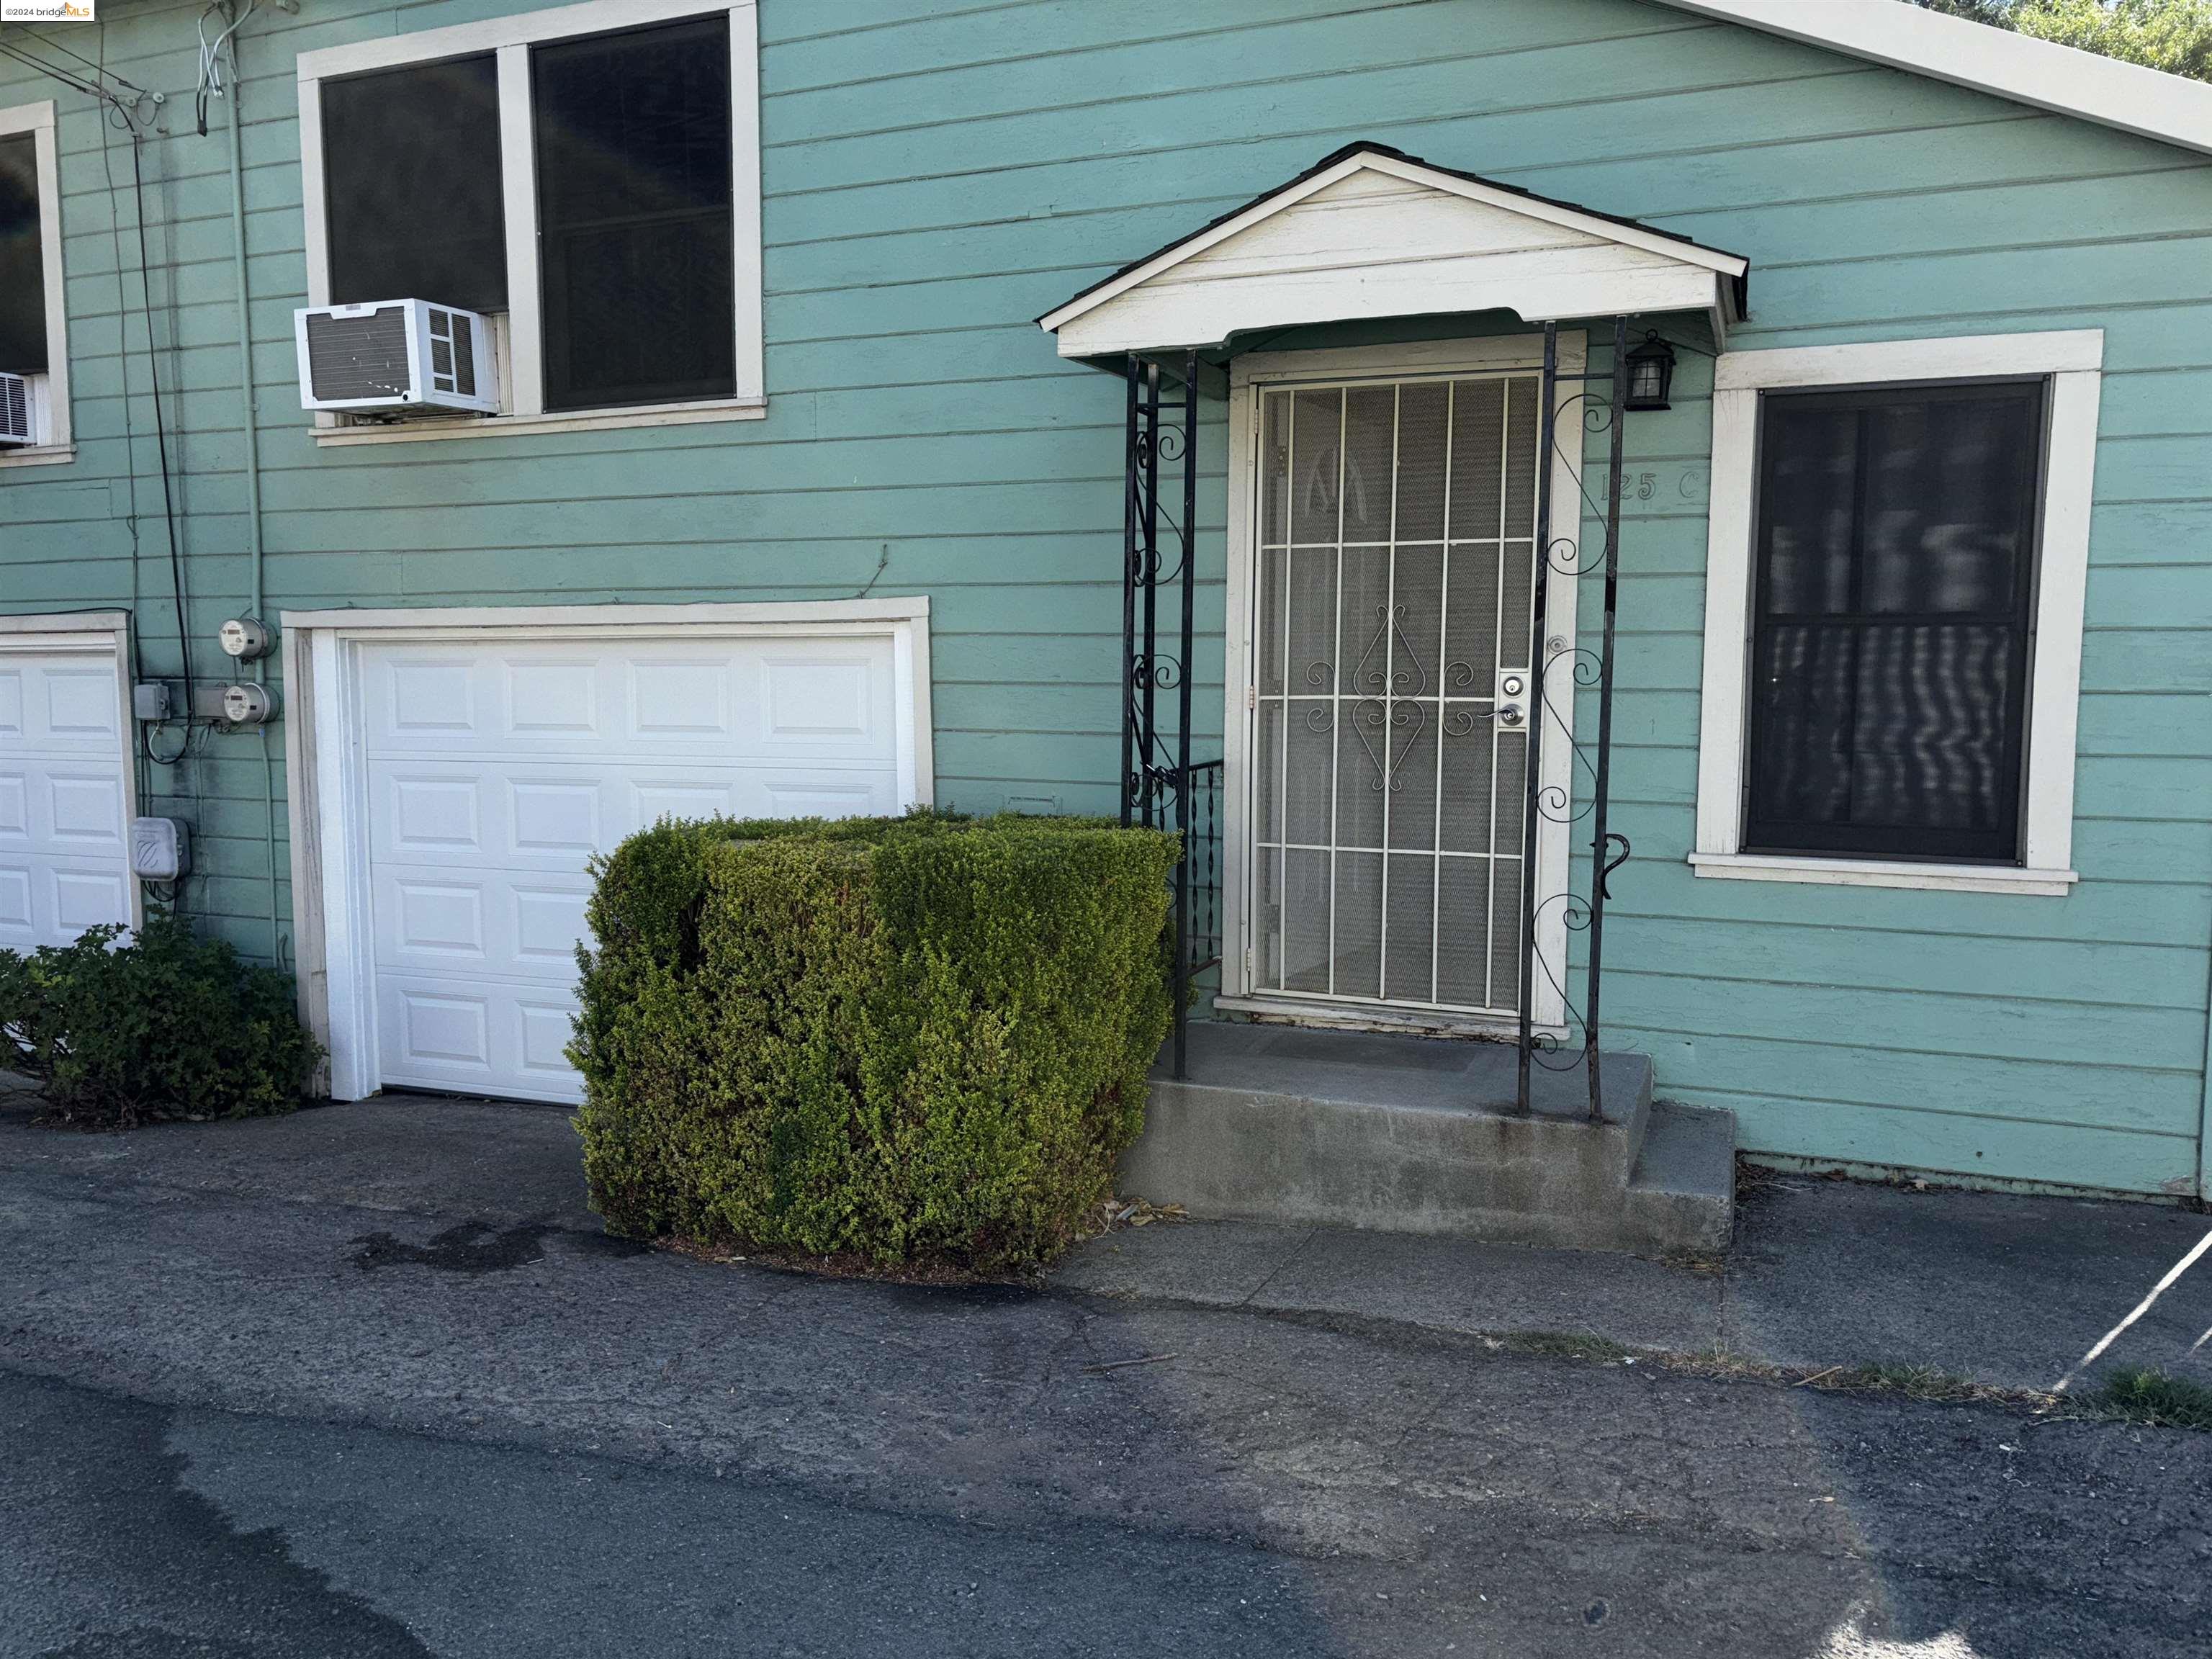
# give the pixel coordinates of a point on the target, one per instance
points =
(920, 1040)
(2173, 35)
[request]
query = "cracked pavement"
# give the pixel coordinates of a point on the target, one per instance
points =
(369, 1380)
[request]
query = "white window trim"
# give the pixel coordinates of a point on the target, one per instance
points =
(2072, 362)
(49, 392)
(509, 39)
(1249, 376)
(327, 816)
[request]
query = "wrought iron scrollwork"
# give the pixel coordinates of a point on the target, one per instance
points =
(1594, 408)
(1162, 786)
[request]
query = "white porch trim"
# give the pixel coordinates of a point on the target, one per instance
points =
(1372, 234)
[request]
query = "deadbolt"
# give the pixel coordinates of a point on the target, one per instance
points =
(1512, 697)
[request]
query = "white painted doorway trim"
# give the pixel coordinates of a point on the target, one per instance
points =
(95, 631)
(1555, 763)
(329, 806)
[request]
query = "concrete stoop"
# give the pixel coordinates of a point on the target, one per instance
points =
(1419, 1135)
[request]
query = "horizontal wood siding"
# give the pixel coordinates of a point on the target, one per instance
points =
(938, 174)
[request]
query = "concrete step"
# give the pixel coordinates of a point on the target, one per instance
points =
(1681, 1198)
(1404, 1134)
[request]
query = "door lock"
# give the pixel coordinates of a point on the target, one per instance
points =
(1512, 710)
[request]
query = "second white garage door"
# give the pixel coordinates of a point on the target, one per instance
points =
(490, 772)
(65, 789)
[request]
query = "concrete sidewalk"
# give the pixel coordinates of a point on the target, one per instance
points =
(2004, 1290)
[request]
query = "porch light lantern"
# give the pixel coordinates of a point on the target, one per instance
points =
(1650, 374)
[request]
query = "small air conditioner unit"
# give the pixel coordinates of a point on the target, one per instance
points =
(15, 412)
(395, 355)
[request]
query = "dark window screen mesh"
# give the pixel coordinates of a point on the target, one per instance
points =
(23, 260)
(410, 171)
(1891, 632)
(633, 135)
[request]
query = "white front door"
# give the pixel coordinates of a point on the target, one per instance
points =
(1392, 532)
(490, 770)
(64, 795)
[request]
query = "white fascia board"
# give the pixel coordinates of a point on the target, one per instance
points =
(1530, 207)
(2041, 73)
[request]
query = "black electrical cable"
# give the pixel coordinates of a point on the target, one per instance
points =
(98, 66)
(160, 423)
(116, 120)
(75, 83)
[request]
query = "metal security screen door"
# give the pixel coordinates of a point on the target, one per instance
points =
(1396, 570)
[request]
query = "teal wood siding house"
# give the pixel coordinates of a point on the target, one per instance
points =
(774, 496)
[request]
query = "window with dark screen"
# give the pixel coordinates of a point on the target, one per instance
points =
(1894, 568)
(412, 184)
(23, 260)
(634, 224)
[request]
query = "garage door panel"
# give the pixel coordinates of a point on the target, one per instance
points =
(488, 923)
(558, 696)
(557, 817)
(17, 931)
(502, 814)
(79, 706)
(542, 1033)
(549, 925)
(494, 770)
(84, 811)
(86, 898)
(688, 698)
(489, 1038)
(733, 699)
(434, 1030)
(45, 900)
(763, 792)
(63, 798)
(439, 919)
(424, 695)
(875, 796)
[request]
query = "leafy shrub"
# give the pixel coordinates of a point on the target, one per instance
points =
(918, 1040)
(159, 1024)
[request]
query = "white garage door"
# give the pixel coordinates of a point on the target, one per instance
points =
(63, 866)
(493, 771)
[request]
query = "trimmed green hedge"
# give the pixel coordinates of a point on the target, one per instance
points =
(121, 1028)
(918, 1040)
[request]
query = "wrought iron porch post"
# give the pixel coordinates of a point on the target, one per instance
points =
(1546, 415)
(1184, 948)
(1129, 575)
(1601, 842)
(1149, 689)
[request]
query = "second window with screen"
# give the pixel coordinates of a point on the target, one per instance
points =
(1891, 632)
(633, 145)
(633, 203)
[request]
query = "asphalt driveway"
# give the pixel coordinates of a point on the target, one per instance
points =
(369, 1380)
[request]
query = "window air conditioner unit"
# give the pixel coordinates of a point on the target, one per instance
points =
(395, 355)
(14, 412)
